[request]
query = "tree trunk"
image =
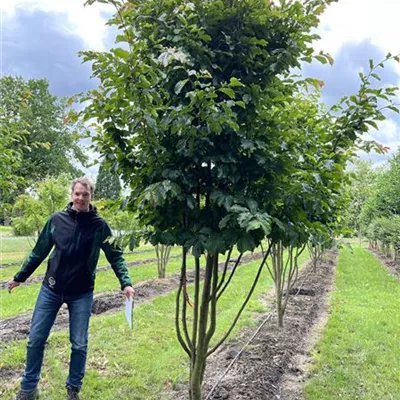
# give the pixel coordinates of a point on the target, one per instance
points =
(284, 275)
(162, 253)
(203, 324)
(198, 361)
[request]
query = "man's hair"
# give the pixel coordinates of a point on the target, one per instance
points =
(85, 181)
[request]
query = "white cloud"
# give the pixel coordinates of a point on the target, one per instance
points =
(357, 20)
(87, 22)
(388, 134)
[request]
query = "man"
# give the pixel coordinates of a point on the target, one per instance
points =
(76, 236)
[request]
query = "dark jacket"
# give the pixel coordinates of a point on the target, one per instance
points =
(77, 238)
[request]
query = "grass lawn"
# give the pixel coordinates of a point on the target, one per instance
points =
(140, 363)
(142, 253)
(6, 230)
(16, 249)
(358, 354)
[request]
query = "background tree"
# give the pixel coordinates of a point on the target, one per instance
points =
(121, 220)
(53, 145)
(380, 213)
(108, 185)
(31, 210)
(13, 139)
(362, 186)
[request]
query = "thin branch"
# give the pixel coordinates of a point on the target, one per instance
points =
(238, 355)
(222, 290)
(195, 325)
(213, 301)
(184, 303)
(177, 325)
(243, 305)
(228, 258)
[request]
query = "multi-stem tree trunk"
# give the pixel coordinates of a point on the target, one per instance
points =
(284, 274)
(162, 253)
(195, 331)
(316, 252)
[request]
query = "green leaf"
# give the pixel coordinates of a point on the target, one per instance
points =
(393, 108)
(179, 86)
(240, 103)
(121, 53)
(229, 92)
(144, 82)
(246, 243)
(376, 76)
(371, 64)
(234, 82)
(372, 123)
(91, 2)
(322, 59)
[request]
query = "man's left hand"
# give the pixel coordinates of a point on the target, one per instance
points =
(129, 291)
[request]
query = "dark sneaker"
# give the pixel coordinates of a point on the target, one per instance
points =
(32, 395)
(72, 393)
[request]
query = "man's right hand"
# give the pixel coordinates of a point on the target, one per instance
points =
(12, 284)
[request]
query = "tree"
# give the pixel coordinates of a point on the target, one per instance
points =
(380, 213)
(108, 185)
(191, 111)
(53, 143)
(162, 252)
(191, 134)
(13, 138)
(362, 185)
(31, 210)
(122, 221)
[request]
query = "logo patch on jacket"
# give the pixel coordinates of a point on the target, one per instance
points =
(52, 282)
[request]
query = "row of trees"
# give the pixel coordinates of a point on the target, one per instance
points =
(375, 206)
(221, 145)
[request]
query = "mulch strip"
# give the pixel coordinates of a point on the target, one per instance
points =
(392, 266)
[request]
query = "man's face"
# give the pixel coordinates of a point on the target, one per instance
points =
(81, 197)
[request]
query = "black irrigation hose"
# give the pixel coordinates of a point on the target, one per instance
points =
(238, 355)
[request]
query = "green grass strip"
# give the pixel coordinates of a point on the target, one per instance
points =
(144, 253)
(358, 354)
(142, 363)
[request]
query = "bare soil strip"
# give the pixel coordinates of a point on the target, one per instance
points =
(274, 365)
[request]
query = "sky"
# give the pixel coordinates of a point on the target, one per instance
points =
(42, 38)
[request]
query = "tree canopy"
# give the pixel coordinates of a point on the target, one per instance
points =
(108, 185)
(219, 143)
(52, 143)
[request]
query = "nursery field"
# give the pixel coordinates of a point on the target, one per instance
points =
(210, 134)
(340, 336)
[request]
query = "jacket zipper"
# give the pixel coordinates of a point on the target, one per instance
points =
(73, 246)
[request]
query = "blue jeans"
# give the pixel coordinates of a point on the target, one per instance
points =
(47, 305)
